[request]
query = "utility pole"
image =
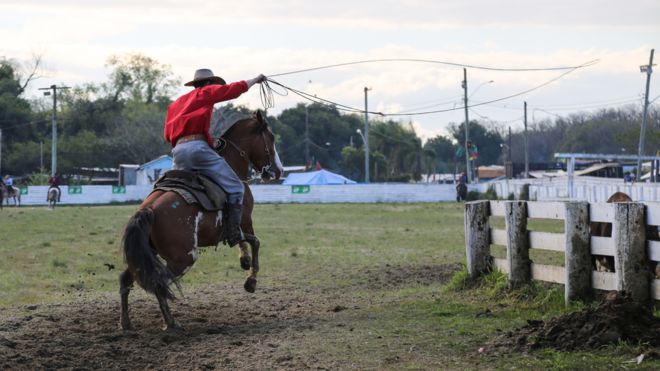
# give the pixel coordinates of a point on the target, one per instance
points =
(648, 69)
(526, 146)
(54, 88)
(508, 165)
(306, 136)
(0, 154)
(510, 144)
(467, 134)
(366, 137)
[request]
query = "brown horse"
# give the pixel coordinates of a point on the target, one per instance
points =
(161, 239)
(605, 263)
(53, 194)
(14, 193)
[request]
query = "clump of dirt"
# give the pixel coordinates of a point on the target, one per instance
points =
(617, 318)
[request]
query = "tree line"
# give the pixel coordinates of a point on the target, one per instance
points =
(120, 121)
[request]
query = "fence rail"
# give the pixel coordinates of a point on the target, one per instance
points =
(585, 188)
(633, 255)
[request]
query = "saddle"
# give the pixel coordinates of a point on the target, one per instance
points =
(194, 188)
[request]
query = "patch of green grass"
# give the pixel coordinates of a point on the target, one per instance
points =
(58, 263)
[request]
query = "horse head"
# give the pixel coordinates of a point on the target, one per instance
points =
(254, 142)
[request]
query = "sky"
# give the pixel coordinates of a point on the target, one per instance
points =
(240, 39)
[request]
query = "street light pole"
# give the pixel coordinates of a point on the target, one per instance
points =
(54, 88)
(366, 137)
(307, 136)
(468, 173)
(526, 144)
(648, 69)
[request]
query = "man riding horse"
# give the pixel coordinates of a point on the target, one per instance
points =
(187, 129)
(9, 183)
(54, 182)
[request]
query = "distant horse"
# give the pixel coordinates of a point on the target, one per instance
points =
(14, 193)
(53, 195)
(604, 263)
(161, 239)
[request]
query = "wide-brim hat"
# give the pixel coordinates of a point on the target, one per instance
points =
(205, 74)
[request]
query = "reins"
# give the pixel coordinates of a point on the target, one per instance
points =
(243, 154)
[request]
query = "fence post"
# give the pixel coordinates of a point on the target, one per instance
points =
(517, 249)
(477, 237)
(630, 261)
(577, 256)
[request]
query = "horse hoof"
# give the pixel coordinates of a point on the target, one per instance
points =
(250, 284)
(246, 263)
(174, 327)
(126, 326)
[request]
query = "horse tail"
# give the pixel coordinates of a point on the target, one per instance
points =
(148, 270)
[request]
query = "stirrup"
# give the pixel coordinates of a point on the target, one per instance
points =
(235, 238)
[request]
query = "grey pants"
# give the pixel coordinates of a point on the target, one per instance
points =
(197, 156)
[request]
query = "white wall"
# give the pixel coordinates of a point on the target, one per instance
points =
(90, 195)
(586, 188)
(359, 193)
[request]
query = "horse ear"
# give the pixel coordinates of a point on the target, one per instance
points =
(263, 124)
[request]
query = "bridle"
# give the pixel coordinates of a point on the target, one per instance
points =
(266, 170)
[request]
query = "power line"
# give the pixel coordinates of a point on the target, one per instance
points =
(444, 103)
(453, 64)
(496, 121)
(25, 124)
(576, 107)
(343, 107)
(603, 101)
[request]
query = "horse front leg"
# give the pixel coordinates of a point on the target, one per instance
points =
(251, 281)
(244, 256)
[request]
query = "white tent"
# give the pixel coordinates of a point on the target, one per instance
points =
(316, 178)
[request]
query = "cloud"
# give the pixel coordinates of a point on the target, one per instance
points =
(241, 39)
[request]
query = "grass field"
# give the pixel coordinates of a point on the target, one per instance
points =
(388, 260)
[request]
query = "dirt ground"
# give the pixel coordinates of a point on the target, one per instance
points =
(616, 319)
(225, 328)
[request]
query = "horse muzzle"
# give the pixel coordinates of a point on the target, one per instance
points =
(270, 172)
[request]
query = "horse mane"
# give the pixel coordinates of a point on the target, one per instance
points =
(229, 131)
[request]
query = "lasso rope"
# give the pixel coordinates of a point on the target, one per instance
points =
(268, 101)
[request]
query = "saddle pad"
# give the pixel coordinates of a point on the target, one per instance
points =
(193, 188)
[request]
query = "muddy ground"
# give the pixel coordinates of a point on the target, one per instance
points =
(225, 328)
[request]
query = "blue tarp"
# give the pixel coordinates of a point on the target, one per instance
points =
(163, 162)
(316, 177)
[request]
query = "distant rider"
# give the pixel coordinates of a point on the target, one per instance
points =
(55, 182)
(9, 183)
(187, 129)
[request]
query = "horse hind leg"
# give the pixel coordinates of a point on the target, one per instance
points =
(125, 286)
(168, 318)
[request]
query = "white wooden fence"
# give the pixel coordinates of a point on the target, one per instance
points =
(633, 255)
(583, 188)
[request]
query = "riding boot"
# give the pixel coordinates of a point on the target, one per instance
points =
(232, 231)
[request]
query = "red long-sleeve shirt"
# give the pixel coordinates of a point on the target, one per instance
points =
(191, 113)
